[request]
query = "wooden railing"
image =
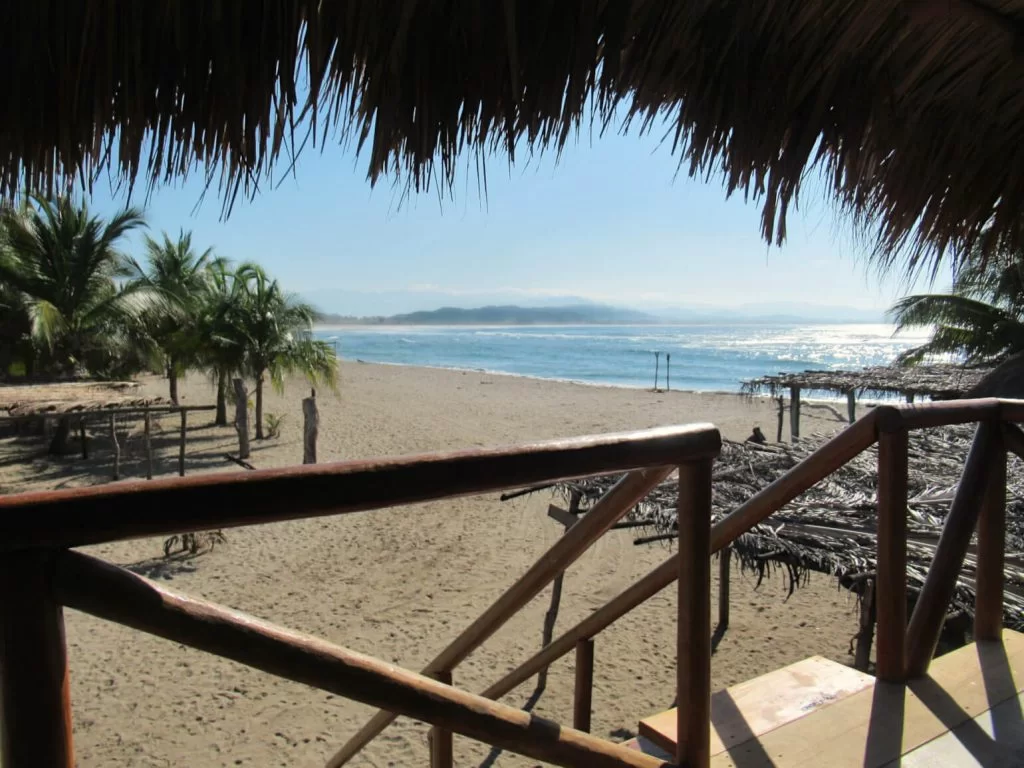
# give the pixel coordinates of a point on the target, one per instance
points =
(902, 651)
(39, 575)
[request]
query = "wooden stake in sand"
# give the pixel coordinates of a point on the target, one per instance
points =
(657, 359)
(181, 445)
(851, 405)
(668, 372)
(147, 429)
(117, 448)
(794, 413)
(310, 428)
(242, 418)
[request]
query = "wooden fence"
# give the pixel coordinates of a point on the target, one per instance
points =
(39, 575)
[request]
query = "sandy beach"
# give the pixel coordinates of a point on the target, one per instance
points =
(400, 583)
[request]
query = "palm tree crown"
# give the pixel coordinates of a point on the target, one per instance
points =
(981, 320)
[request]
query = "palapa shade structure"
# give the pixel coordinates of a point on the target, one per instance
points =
(911, 108)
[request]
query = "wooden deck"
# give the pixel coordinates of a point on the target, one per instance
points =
(966, 712)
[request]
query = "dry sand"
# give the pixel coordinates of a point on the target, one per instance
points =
(400, 583)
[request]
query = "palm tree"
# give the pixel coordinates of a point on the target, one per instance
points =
(219, 328)
(981, 320)
(60, 267)
(179, 274)
(64, 265)
(275, 329)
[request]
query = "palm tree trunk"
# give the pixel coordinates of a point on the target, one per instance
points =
(259, 407)
(172, 377)
(221, 419)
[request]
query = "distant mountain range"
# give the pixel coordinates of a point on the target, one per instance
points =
(599, 314)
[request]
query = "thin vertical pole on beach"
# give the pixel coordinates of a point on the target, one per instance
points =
(310, 428)
(891, 556)
(583, 695)
(910, 397)
(724, 558)
(85, 439)
(668, 372)
(241, 418)
(117, 448)
(988, 580)
(147, 428)
(657, 359)
(693, 660)
(794, 413)
(35, 697)
(851, 404)
(782, 412)
(440, 740)
(181, 445)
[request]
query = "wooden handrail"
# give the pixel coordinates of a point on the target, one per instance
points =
(851, 441)
(114, 594)
(77, 517)
(940, 414)
(930, 611)
(622, 497)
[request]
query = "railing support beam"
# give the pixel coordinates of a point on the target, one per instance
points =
(693, 665)
(441, 746)
(930, 611)
(988, 586)
(35, 700)
(584, 693)
(891, 586)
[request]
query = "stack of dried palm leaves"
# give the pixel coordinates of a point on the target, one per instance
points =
(830, 529)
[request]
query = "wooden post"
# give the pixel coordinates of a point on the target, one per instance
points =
(693, 665)
(181, 445)
(310, 428)
(794, 413)
(147, 430)
(584, 693)
(117, 448)
(862, 656)
(988, 607)
(910, 397)
(668, 372)
(782, 412)
(657, 359)
(241, 418)
(84, 437)
(35, 699)
(440, 740)
(724, 558)
(930, 611)
(851, 404)
(891, 556)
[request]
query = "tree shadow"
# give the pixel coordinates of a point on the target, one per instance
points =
(164, 568)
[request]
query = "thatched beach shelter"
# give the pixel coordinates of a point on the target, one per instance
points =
(909, 109)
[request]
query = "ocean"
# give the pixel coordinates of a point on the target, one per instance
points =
(704, 358)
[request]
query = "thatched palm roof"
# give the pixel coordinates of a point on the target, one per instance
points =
(911, 107)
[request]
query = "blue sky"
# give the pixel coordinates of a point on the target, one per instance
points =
(611, 221)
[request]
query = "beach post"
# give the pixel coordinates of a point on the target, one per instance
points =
(794, 413)
(851, 404)
(181, 445)
(657, 359)
(117, 448)
(668, 372)
(310, 428)
(146, 429)
(866, 631)
(723, 589)
(84, 437)
(782, 413)
(241, 418)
